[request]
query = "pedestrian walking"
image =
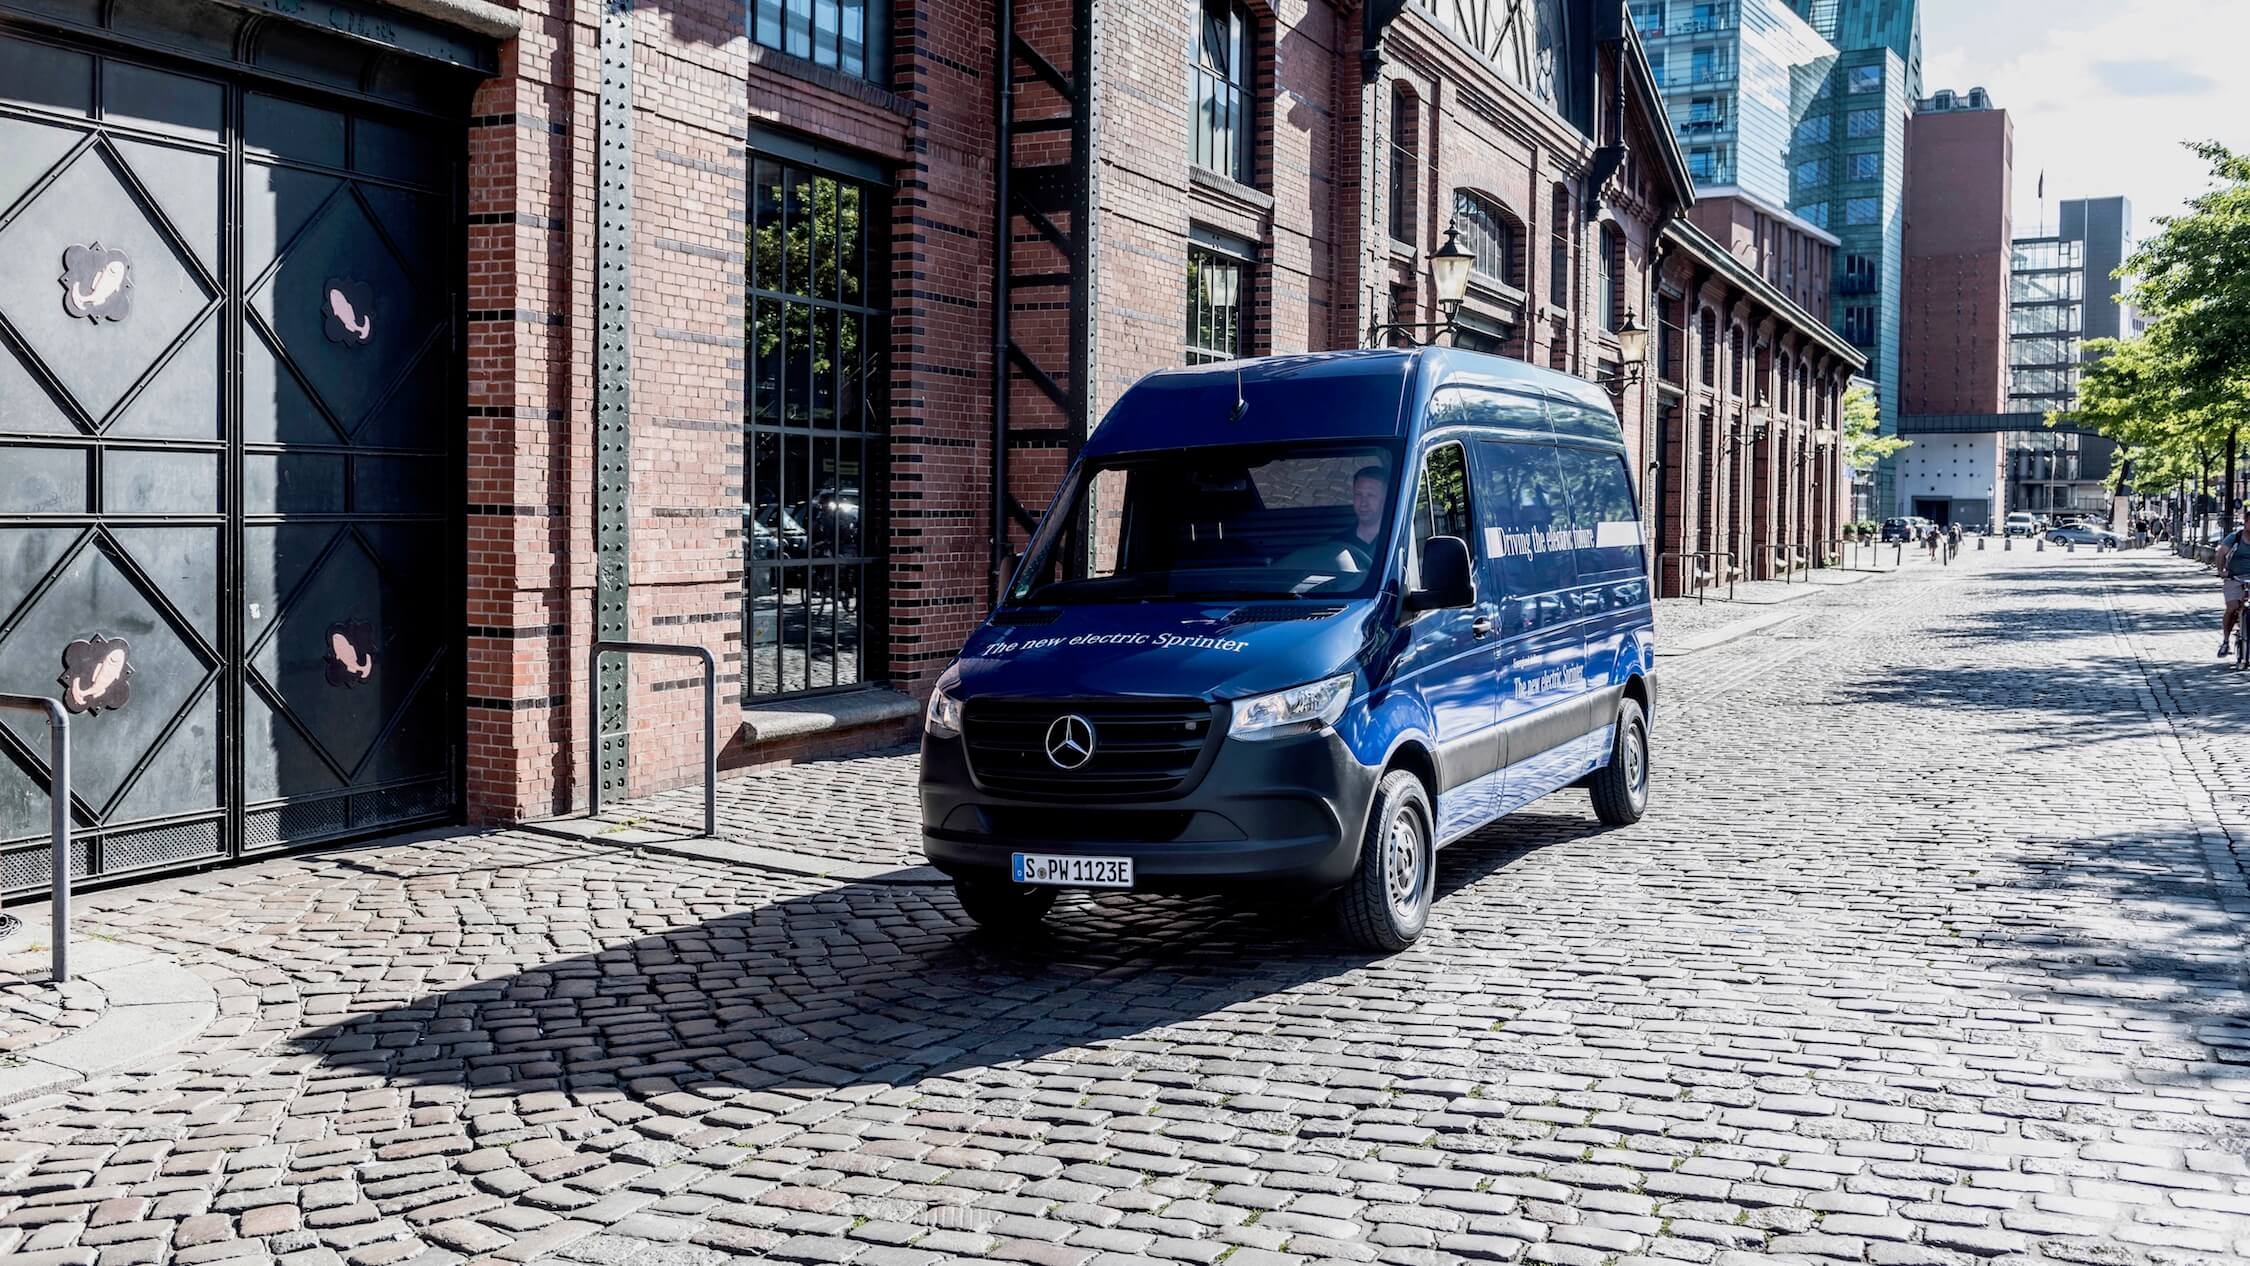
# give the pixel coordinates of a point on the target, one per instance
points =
(1952, 541)
(1930, 543)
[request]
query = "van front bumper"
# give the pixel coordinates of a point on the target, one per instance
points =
(1286, 812)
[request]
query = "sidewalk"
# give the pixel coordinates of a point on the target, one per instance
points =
(123, 1006)
(1685, 625)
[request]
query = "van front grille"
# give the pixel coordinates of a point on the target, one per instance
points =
(1141, 747)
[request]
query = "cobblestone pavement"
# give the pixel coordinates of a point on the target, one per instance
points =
(33, 1013)
(1931, 951)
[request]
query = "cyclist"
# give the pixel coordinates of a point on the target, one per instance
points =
(2233, 562)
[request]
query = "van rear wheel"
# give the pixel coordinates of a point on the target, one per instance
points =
(1000, 906)
(1386, 904)
(1620, 788)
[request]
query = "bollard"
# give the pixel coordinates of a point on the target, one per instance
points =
(2007, 543)
(1980, 544)
(2039, 544)
(2070, 547)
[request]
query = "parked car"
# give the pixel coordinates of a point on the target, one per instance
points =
(1343, 609)
(776, 534)
(1898, 530)
(2022, 523)
(2083, 533)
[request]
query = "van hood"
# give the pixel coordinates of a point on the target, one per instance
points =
(1201, 650)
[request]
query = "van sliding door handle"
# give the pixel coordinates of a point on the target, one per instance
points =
(1483, 626)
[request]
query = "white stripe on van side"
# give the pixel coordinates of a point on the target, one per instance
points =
(1619, 535)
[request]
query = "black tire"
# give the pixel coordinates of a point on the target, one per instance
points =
(1375, 910)
(1621, 787)
(1000, 906)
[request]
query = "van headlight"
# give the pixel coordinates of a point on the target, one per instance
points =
(944, 715)
(1306, 707)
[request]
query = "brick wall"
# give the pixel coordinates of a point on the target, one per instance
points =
(1953, 335)
(699, 87)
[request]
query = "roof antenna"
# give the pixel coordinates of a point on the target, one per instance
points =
(1241, 405)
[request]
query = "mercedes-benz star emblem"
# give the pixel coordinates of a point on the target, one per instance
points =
(1070, 741)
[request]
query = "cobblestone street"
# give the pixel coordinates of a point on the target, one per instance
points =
(1931, 949)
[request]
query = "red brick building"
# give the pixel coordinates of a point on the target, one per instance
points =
(765, 328)
(1780, 246)
(1749, 391)
(1954, 332)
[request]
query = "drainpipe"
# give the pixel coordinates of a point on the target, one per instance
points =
(1003, 217)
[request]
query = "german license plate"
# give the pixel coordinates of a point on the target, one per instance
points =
(1064, 871)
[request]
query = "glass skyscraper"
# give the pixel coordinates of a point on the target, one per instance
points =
(1738, 76)
(1850, 155)
(1803, 104)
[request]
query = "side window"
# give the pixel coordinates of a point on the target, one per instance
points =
(1605, 528)
(1526, 517)
(1441, 505)
(1577, 420)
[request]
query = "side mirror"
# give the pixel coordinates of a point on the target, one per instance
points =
(1009, 566)
(1445, 576)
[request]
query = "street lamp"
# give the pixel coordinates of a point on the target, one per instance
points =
(1760, 416)
(1449, 272)
(1450, 266)
(1632, 354)
(1219, 286)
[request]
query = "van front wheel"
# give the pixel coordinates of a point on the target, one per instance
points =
(1000, 906)
(1621, 787)
(1387, 902)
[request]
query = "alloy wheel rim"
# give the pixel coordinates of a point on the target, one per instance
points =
(1402, 866)
(1636, 762)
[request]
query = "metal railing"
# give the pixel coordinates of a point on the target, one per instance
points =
(710, 721)
(1787, 561)
(58, 795)
(1696, 572)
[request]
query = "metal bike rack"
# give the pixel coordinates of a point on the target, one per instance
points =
(710, 722)
(58, 793)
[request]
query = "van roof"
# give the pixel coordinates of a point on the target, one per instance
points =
(1312, 396)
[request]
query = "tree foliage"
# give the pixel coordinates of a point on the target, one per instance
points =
(1863, 444)
(2174, 396)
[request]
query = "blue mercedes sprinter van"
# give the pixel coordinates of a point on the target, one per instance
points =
(1300, 622)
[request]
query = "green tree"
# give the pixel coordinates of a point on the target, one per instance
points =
(2196, 270)
(1863, 445)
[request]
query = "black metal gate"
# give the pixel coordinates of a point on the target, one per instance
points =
(229, 469)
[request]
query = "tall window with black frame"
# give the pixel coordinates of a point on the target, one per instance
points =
(1405, 164)
(813, 437)
(1223, 98)
(1216, 298)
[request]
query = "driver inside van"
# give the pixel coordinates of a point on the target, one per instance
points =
(1368, 498)
(1350, 553)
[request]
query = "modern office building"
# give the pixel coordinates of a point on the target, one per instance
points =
(1848, 160)
(2060, 293)
(1737, 76)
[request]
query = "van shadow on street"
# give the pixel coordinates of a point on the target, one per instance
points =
(871, 985)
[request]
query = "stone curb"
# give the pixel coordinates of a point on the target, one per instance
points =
(1723, 634)
(705, 849)
(153, 1005)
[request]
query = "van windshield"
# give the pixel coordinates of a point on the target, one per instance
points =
(1248, 521)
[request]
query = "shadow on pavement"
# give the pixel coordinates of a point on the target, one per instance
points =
(870, 985)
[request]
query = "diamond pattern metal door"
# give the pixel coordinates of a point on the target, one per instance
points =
(348, 696)
(225, 470)
(112, 451)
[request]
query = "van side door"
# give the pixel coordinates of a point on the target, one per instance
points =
(1541, 658)
(1448, 657)
(1612, 596)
